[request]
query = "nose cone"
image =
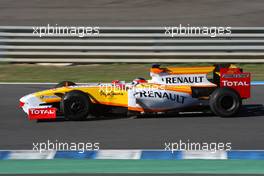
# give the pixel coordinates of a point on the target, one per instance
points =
(24, 102)
(29, 101)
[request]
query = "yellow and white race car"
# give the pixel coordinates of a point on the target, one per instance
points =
(221, 87)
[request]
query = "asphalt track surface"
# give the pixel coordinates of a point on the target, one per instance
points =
(244, 132)
(133, 13)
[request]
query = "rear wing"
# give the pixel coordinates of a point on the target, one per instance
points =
(236, 79)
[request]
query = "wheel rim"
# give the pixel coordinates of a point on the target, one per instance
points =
(227, 103)
(75, 106)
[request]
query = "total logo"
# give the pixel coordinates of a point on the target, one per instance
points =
(42, 113)
(235, 83)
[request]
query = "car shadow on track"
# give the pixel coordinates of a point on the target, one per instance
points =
(251, 110)
(89, 118)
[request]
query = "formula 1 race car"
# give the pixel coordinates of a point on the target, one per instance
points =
(220, 87)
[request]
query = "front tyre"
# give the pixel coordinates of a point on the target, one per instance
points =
(225, 102)
(76, 105)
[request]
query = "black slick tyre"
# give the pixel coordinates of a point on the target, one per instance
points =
(76, 105)
(225, 102)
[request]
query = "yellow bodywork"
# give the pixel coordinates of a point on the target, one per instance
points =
(190, 70)
(183, 70)
(98, 95)
(111, 95)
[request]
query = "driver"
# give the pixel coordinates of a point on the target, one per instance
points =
(139, 81)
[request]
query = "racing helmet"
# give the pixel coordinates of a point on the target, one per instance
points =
(139, 81)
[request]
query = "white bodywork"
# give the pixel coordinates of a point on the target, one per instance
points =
(181, 79)
(159, 100)
(31, 101)
(154, 99)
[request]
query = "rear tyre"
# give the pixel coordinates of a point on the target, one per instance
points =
(65, 83)
(225, 102)
(76, 105)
